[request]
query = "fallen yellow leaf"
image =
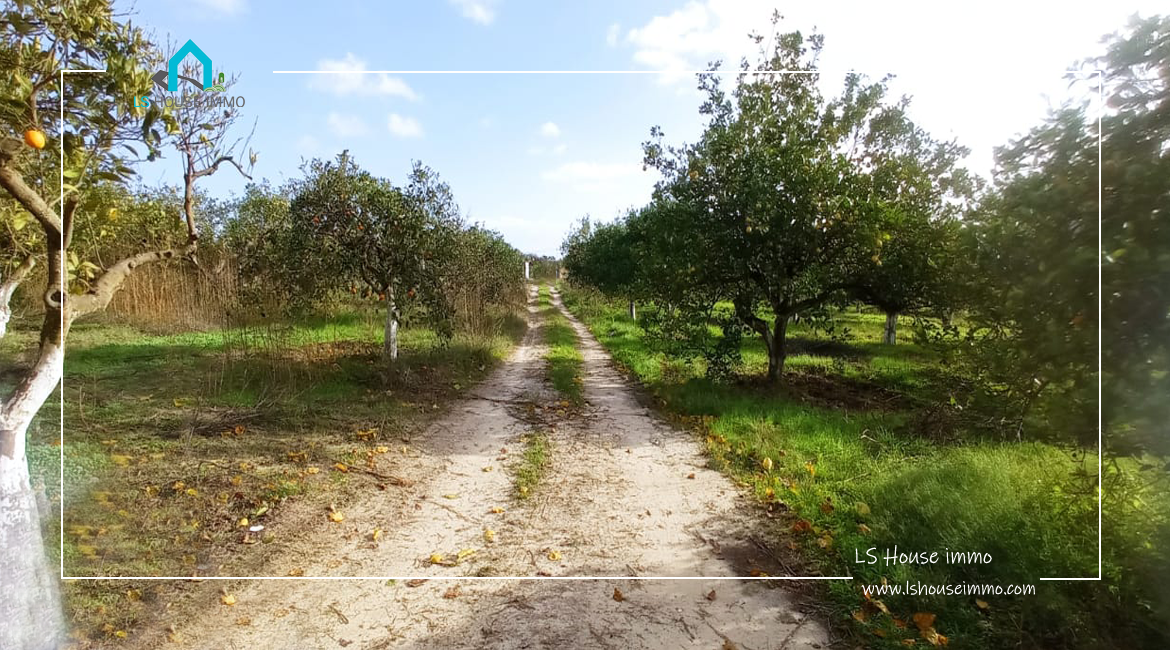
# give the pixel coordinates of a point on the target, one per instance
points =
(376, 535)
(489, 535)
(228, 599)
(554, 555)
(336, 517)
(924, 620)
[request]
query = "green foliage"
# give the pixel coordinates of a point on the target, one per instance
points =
(788, 201)
(1033, 506)
(1033, 262)
(102, 125)
(602, 255)
(339, 235)
(375, 232)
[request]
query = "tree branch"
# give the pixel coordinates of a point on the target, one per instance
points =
(18, 275)
(211, 169)
(104, 288)
(13, 182)
(67, 222)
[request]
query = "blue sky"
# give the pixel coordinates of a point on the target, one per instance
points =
(527, 155)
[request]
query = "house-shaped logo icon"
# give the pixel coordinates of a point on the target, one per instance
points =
(173, 66)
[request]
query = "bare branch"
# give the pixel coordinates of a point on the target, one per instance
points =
(67, 222)
(103, 289)
(207, 171)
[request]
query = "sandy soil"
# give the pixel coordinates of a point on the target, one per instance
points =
(624, 496)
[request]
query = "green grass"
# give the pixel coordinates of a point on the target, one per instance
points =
(563, 357)
(170, 440)
(853, 456)
(533, 464)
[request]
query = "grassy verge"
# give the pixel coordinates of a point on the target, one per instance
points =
(848, 445)
(532, 465)
(172, 442)
(563, 357)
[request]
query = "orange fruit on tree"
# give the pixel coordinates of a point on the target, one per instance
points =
(35, 138)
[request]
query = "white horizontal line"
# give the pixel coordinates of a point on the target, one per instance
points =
(1057, 579)
(408, 578)
(635, 72)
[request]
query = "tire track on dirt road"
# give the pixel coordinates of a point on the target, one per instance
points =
(617, 500)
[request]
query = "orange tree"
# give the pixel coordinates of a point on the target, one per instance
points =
(774, 207)
(102, 134)
(357, 228)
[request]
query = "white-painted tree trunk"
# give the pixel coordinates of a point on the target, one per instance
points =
(890, 334)
(6, 291)
(8, 287)
(30, 608)
(390, 345)
(633, 312)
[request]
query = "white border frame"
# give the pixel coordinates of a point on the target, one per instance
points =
(1100, 76)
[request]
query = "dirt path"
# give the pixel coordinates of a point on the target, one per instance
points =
(624, 495)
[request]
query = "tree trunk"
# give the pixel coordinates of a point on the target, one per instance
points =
(777, 349)
(890, 334)
(633, 312)
(30, 609)
(8, 287)
(390, 344)
(5, 315)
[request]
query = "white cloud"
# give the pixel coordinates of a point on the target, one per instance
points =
(556, 150)
(346, 126)
(404, 127)
(611, 35)
(699, 33)
(349, 78)
(550, 130)
(308, 145)
(479, 11)
(225, 7)
(591, 172)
